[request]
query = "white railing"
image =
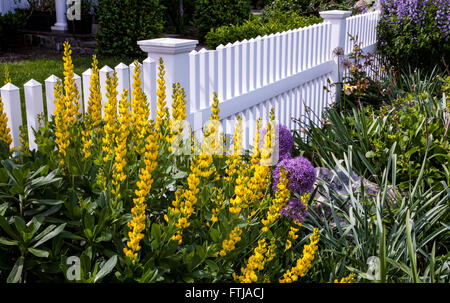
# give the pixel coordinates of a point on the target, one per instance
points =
(285, 71)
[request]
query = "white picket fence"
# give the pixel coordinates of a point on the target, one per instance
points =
(285, 71)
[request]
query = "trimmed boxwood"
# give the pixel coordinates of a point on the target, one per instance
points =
(123, 22)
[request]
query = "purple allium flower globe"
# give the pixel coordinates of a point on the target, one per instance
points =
(300, 172)
(284, 141)
(295, 209)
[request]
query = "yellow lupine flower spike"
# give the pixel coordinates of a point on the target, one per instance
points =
(110, 116)
(120, 149)
(93, 116)
(140, 110)
(5, 132)
(228, 245)
(282, 195)
(303, 263)
(137, 224)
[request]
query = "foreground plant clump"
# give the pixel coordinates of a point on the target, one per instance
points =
(115, 196)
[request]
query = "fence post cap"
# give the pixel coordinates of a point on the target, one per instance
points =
(32, 83)
(106, 69)
(9, 87)
(335, 14)
(75, 76)
(87, 72)
(51, 78)
(167, 45)
(149, 60)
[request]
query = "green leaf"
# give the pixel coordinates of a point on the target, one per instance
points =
(106, 269)
(156, 232)
(50, 202)
(16, 272)
(401, 266)
(212, 265)
(8, 242)
(50, 235)
(411, 249)
(48, 179)
(383, 257)
(20, 224)
(7, 228)
(38, 252)
(180, 175)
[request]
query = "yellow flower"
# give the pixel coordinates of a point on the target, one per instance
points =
(229, 244)
(110, 116)
(349, 279)
(234, 160)
(303, 263)
(256, 262)
(178, 114)
(5, 132)
(137, 224)
(6, 76)
(66, 105)
(162, 112)
(93, 116)
(282, 195)
(61, 122)
(140, 110)
(120, 149)
(70, 89)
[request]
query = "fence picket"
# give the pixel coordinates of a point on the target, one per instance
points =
(50, 83)
(105, 70)
(34, 107)
(222, 81)
(86, 77)
(238, 79)
(123, 79)
(149, 80)
(203, 72)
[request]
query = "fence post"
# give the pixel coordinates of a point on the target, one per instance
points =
(11, 103)
(175, 55)
(34, 107)
(337, 19)
(50, 83)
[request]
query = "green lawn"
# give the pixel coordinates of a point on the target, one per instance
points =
(40, 69)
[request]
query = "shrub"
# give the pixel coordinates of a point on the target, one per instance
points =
(210, 14)
(414, 33)
(257, 26)
(172, 13)
(307, 7)
(123, 22)
(10, 23)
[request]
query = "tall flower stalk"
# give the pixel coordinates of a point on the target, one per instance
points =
(137, 225)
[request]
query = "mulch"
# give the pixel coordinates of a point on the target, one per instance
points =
(20, 52)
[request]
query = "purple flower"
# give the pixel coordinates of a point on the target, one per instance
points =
(295, 209)
(284, 141)
(300, 172)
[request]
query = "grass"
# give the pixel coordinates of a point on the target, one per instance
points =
(40, 69)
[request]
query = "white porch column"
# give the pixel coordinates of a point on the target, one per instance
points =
(175, 55)
(61, 20)
(337, 18)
